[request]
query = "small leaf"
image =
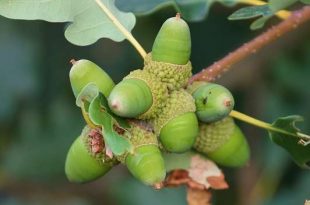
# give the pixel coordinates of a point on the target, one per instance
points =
(121, 122)
(250, 12)
(88, 22)
(259, 23)
(305, 1)
(299, 153)
(87, 94)
(100, 116)
(276, 5)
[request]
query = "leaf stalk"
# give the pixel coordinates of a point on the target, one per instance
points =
(122, 29)
(305, 139)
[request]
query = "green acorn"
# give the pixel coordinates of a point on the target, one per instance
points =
(173, 42)
(223, 142)
(177, 126)
(146, 162)
(139, 95)
(169, 60)
(84, 72)
(213, 102)
(86, 159)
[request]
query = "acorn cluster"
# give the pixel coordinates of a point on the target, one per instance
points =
(163, 113)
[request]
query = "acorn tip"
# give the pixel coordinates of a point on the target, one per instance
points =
(227, 103)
(73, 61)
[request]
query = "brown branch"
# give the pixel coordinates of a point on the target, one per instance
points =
(214, 71)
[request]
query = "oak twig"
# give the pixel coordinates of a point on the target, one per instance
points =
(214, 71)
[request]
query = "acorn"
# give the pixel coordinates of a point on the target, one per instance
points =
(223, 142)
(84, 72)
(173, 42)
(86, 159)
(146, 162)
(177, 126)
(213, 102)
(169, 60)
(139, 95)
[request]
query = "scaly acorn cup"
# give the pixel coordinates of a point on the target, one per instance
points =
(86, 159)
(223, 142)
(213, 102)
(139, 95)
(173, 75)
(169, 60)
(84, 72)
(177, 125)
(146, 162)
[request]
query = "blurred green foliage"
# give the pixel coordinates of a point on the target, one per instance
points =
(39, 119)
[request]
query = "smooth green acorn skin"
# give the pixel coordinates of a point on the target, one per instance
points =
(180, 133)
(81, 166)
(130, 98)
(213, 102)
(234, 153)
(147, 164)
(173, 42)
(84, 72)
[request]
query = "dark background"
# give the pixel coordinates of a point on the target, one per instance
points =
(39, 119)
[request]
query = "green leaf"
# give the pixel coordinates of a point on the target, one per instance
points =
(250, 12)
(99, 115)
(305, 1)
(276, 5)
(265, 11)
(191, 10)
(87, 94)
(299, 153)
(96, 107)
(259, 23)
(88, 22)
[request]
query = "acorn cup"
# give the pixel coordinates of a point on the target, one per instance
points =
(177, 125)
(146, 162)
(213, 102)
(139, 95)
(169, 60)
(84, 72)
(223, 142)
(86, 159)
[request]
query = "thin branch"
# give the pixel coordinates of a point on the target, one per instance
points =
(214, 71)
(122, 29)
(283, 14)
